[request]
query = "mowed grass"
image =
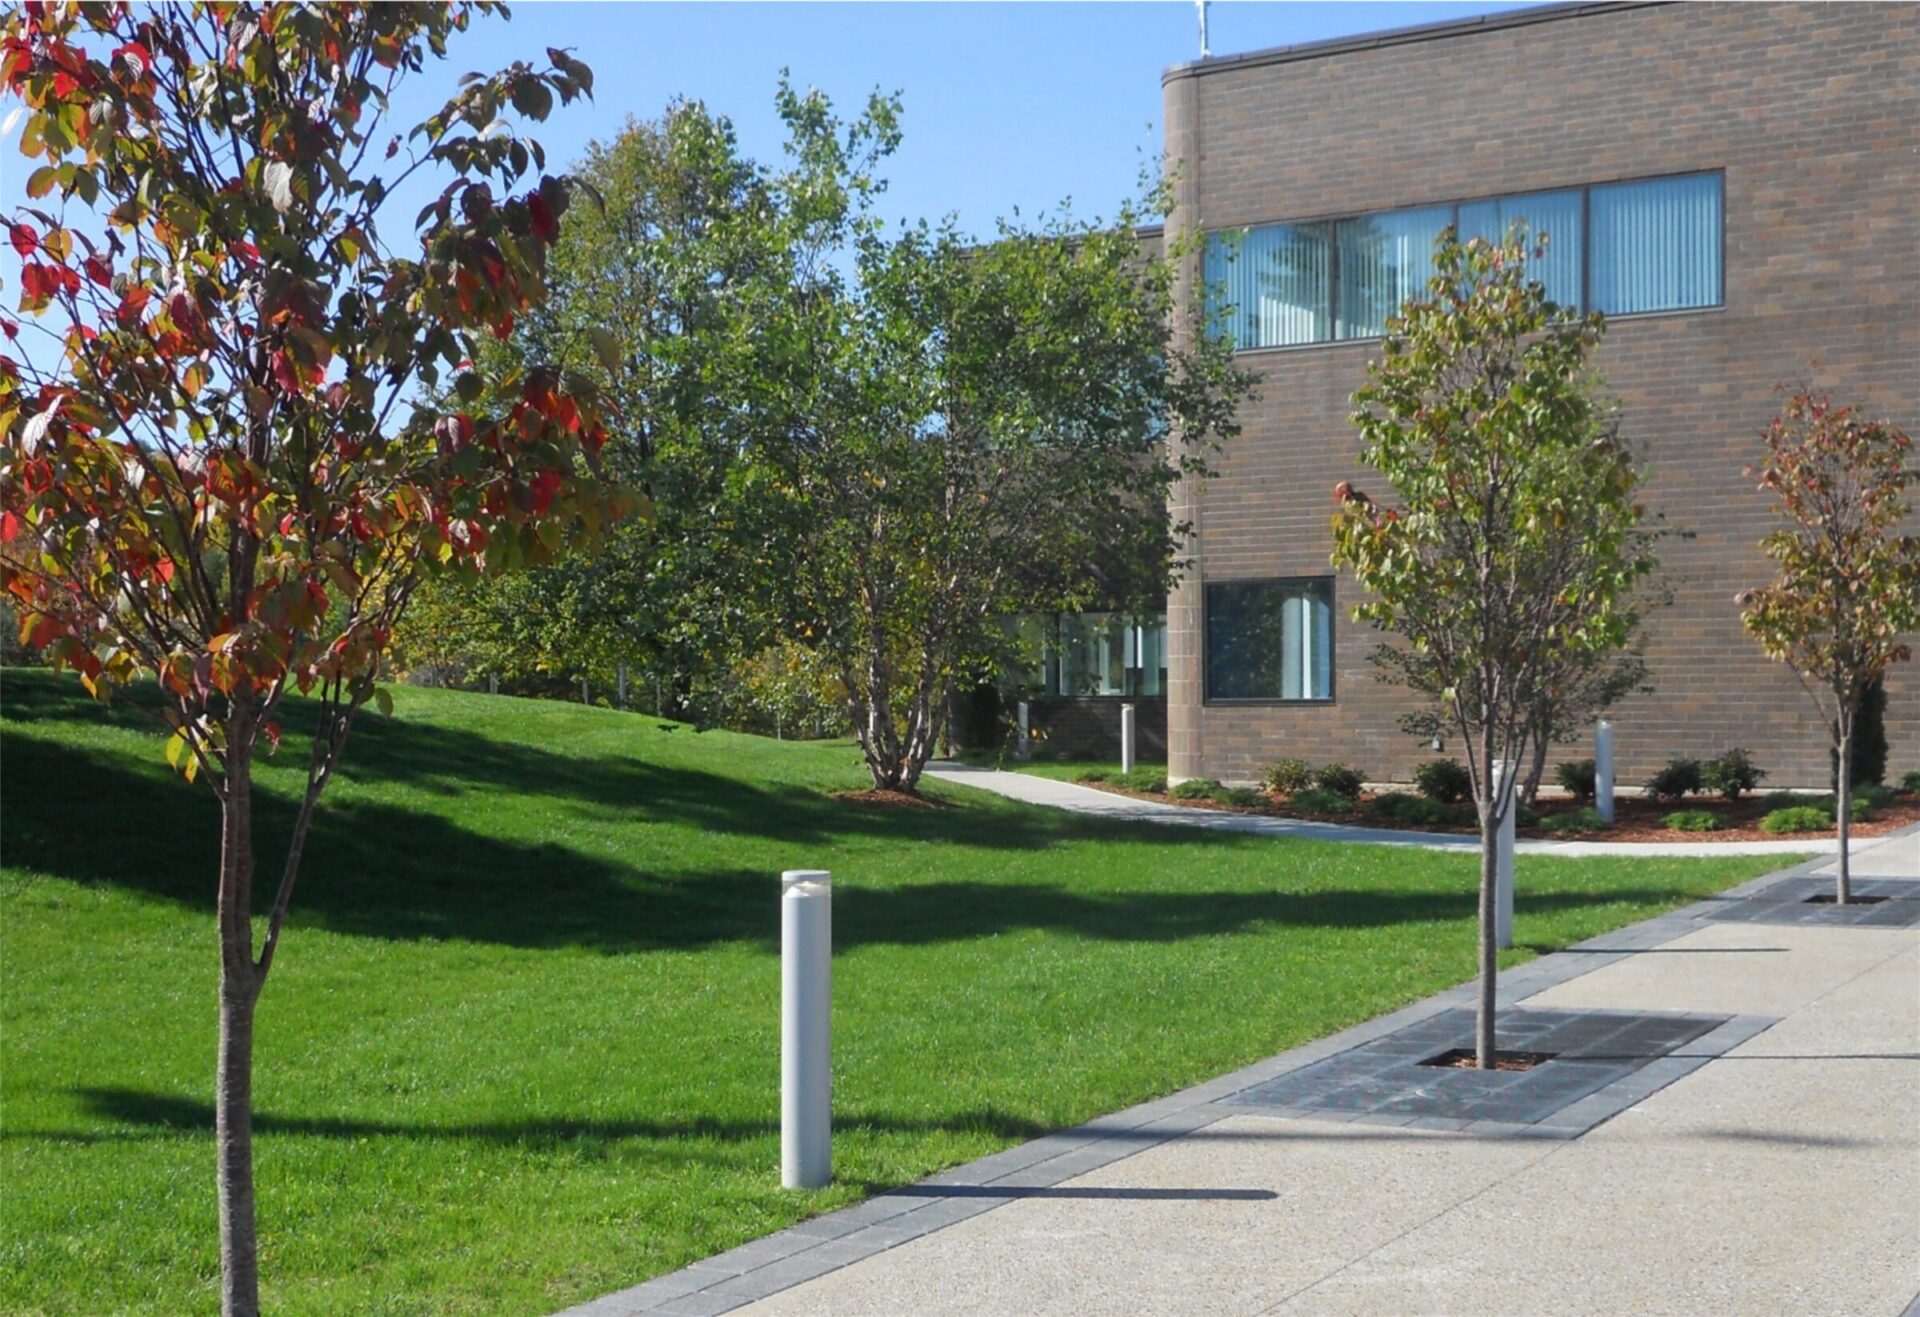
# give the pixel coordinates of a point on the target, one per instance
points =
(521, 1045)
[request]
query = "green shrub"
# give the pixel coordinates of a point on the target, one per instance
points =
(1525, 817)
(1239, 797)
(1444, 780)
(1195, 788)
(1732, 775)
(1584, 819)
(1910, 780)
(1874, 796)
(1153, 780)
(1316, 800)
(1679, 779)
(1286, 776)
(1339, 780)
(1421, 811)
(1092, 775)
(1576, 778)
(1797, 818)
(1387, 804)
(1785, 800)
(1693, 820)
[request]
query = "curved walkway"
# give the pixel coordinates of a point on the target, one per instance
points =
(1107, 804)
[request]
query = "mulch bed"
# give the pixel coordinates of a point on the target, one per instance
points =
(1634, 819)
(890, 799)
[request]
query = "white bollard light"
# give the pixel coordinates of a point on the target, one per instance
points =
(1603, 769)
(623, 685)
(1126, 738)
(1503, 860)
(806, 1032)
(1026, 733)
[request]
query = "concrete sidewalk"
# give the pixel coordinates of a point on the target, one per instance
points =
(1108, 804)
(1769, 1167)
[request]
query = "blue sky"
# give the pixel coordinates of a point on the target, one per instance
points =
(1005, 105)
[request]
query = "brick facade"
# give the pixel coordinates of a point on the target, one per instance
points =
(1813, 114)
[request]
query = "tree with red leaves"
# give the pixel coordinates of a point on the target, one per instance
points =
(1846, 601)
(247, 425)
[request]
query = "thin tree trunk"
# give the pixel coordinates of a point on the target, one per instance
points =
(233, 1081)
(233, 1137)
(1483, 1032)
(1530, 793)
(1843, 815)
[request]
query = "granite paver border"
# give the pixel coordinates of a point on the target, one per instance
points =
(812, 1248)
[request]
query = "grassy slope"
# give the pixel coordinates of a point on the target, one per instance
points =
(521, 1045)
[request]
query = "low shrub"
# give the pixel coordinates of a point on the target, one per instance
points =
(1152, 780)
(1444, 780)
(1910, 780)
(1239, 797)
(1092, 775)
(1387, 804)
(1585, 819)
(1317, 800)
(1195, 788)
(1797, 818)
(1693, 820)
(1576, 778)
(1732, 775)
(1784, 800)
(1678, 780)
(1425, 812)
(1876, 796)
(1339, 780)
(1286, 776)
(1525, 817)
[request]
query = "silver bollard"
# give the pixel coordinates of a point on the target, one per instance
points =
(1126, 738)
(1603, 769)
(1503, 859)
(806, 1028)
(1024, 750)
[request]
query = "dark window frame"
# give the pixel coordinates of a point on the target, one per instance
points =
(1208, 698)
(1334, 221)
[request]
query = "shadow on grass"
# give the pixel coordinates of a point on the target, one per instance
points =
(163, 1114)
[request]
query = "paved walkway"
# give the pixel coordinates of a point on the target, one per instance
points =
(1108, 804)
(1770, 1167)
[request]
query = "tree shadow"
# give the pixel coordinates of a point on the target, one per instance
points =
(157, 1115)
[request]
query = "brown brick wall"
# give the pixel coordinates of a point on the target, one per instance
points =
(1812, 111)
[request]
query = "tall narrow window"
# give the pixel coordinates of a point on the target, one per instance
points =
(1268, 287)
(1270, 640)
(1656, 244)
(1556, 215)
(1384, 260)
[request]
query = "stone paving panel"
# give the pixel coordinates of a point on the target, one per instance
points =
(1887, 903)
(1385, 1079)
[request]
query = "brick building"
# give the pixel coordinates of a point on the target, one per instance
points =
(1737, 186)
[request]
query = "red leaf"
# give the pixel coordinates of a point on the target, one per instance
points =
(544, 487)
(544, 222)
(164, 570)
(25, 239)
(10, 527)
(100, 271)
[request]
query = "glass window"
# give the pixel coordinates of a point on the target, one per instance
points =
(1268, 287)
(1656, 244)
(1270, 640)
(1093, 654)
(1552, 215)
(1384, 260)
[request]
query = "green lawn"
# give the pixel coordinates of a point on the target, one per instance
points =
(521, 1045)
(1062, 770)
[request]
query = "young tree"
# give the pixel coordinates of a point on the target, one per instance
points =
(1511, 557)
(219, 470)
(1846, 600)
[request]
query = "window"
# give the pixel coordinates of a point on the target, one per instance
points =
(1556, 215)
(1270, 640)
(1656, 244)
(1091, 653)
(1384, 260)
(1275, 282)
(1652, 245)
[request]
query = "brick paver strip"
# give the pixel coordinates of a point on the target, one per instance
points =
(812, 1248)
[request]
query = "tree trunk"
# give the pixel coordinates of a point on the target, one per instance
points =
(233, 1080)
(1843, 815)
(233, 1138)
(1530, 793)
(1483, 1032)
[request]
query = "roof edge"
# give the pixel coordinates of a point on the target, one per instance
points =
(1400, 36)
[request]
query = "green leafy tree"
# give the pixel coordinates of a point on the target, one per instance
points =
(1845, 600)
(219, 471)
(1511, 557)
(950, 431)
